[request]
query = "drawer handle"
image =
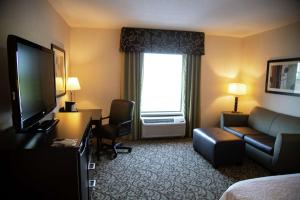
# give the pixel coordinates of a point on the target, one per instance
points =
(82, 149)
(92, 166)
(92, 183)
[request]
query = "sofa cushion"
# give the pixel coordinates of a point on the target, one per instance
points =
(261, 119)
(261, 141)
(241, 131)
(285, 124)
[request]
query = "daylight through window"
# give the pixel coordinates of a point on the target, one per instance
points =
(162, 83)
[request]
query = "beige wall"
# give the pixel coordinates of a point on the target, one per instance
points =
(35, 21)
(96, 61)
(220, 66)
(257, 50)
(245, 60)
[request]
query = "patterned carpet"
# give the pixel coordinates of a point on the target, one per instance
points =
(166, 169)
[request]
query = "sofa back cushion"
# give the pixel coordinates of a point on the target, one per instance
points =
(261, 119)
(285, 124)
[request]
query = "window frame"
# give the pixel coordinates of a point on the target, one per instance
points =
(183, 82)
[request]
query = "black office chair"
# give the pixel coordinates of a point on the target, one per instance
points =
(120, 124)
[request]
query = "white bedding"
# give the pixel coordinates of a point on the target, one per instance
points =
(285, 187)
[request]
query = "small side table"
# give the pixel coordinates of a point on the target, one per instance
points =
(232, 117)
(232, 113)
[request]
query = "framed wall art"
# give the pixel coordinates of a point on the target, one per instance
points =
(283, 76)
(60, 70)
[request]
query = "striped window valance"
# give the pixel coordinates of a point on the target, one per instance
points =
(161, 41)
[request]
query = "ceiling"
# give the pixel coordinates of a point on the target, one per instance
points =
(236, 18)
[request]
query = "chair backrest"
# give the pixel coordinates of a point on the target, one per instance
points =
(121, 111)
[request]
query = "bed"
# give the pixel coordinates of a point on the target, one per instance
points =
(285, 187)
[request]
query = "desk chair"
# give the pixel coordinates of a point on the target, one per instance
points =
(120, 124)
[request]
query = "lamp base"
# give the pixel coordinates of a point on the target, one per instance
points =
(70, 106)
(236, 102)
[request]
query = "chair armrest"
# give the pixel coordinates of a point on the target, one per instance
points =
(233, 119)
(286, 152)
(104, 117)
(126, 124)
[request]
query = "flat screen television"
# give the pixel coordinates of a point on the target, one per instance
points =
(32, 82)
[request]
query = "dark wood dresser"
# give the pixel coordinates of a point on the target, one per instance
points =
(51, 165)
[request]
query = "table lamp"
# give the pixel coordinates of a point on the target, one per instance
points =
(72, 85)
(238, 89)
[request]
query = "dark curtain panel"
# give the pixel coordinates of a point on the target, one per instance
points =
(132, 90)
(192, 72)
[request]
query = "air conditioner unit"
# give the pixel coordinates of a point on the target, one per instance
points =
(154, 127)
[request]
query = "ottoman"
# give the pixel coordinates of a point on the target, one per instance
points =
(218, 146)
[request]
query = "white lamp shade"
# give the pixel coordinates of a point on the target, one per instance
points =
(237, 88)
(73, 83)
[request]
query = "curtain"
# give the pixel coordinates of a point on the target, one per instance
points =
(192, 72)
(136, 41)
(132, 87)
(161, 41)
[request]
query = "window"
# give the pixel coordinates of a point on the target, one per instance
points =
(298, 71)
(162, 83)
(297, 84)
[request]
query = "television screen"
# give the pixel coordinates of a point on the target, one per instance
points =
(32, 79)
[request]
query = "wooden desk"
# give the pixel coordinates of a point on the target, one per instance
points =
(96, 116)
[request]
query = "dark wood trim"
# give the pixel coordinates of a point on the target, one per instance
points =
(53, 46)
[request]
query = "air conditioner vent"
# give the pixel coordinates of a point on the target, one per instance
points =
(154, 121)
(153, 127)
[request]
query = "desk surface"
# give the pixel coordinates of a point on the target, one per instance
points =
(71, 125)
(96, 113)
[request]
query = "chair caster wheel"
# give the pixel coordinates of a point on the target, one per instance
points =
(113, 156)
(129, 150)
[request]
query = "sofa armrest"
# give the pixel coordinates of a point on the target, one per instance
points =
(233, 119)
(286, 152)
